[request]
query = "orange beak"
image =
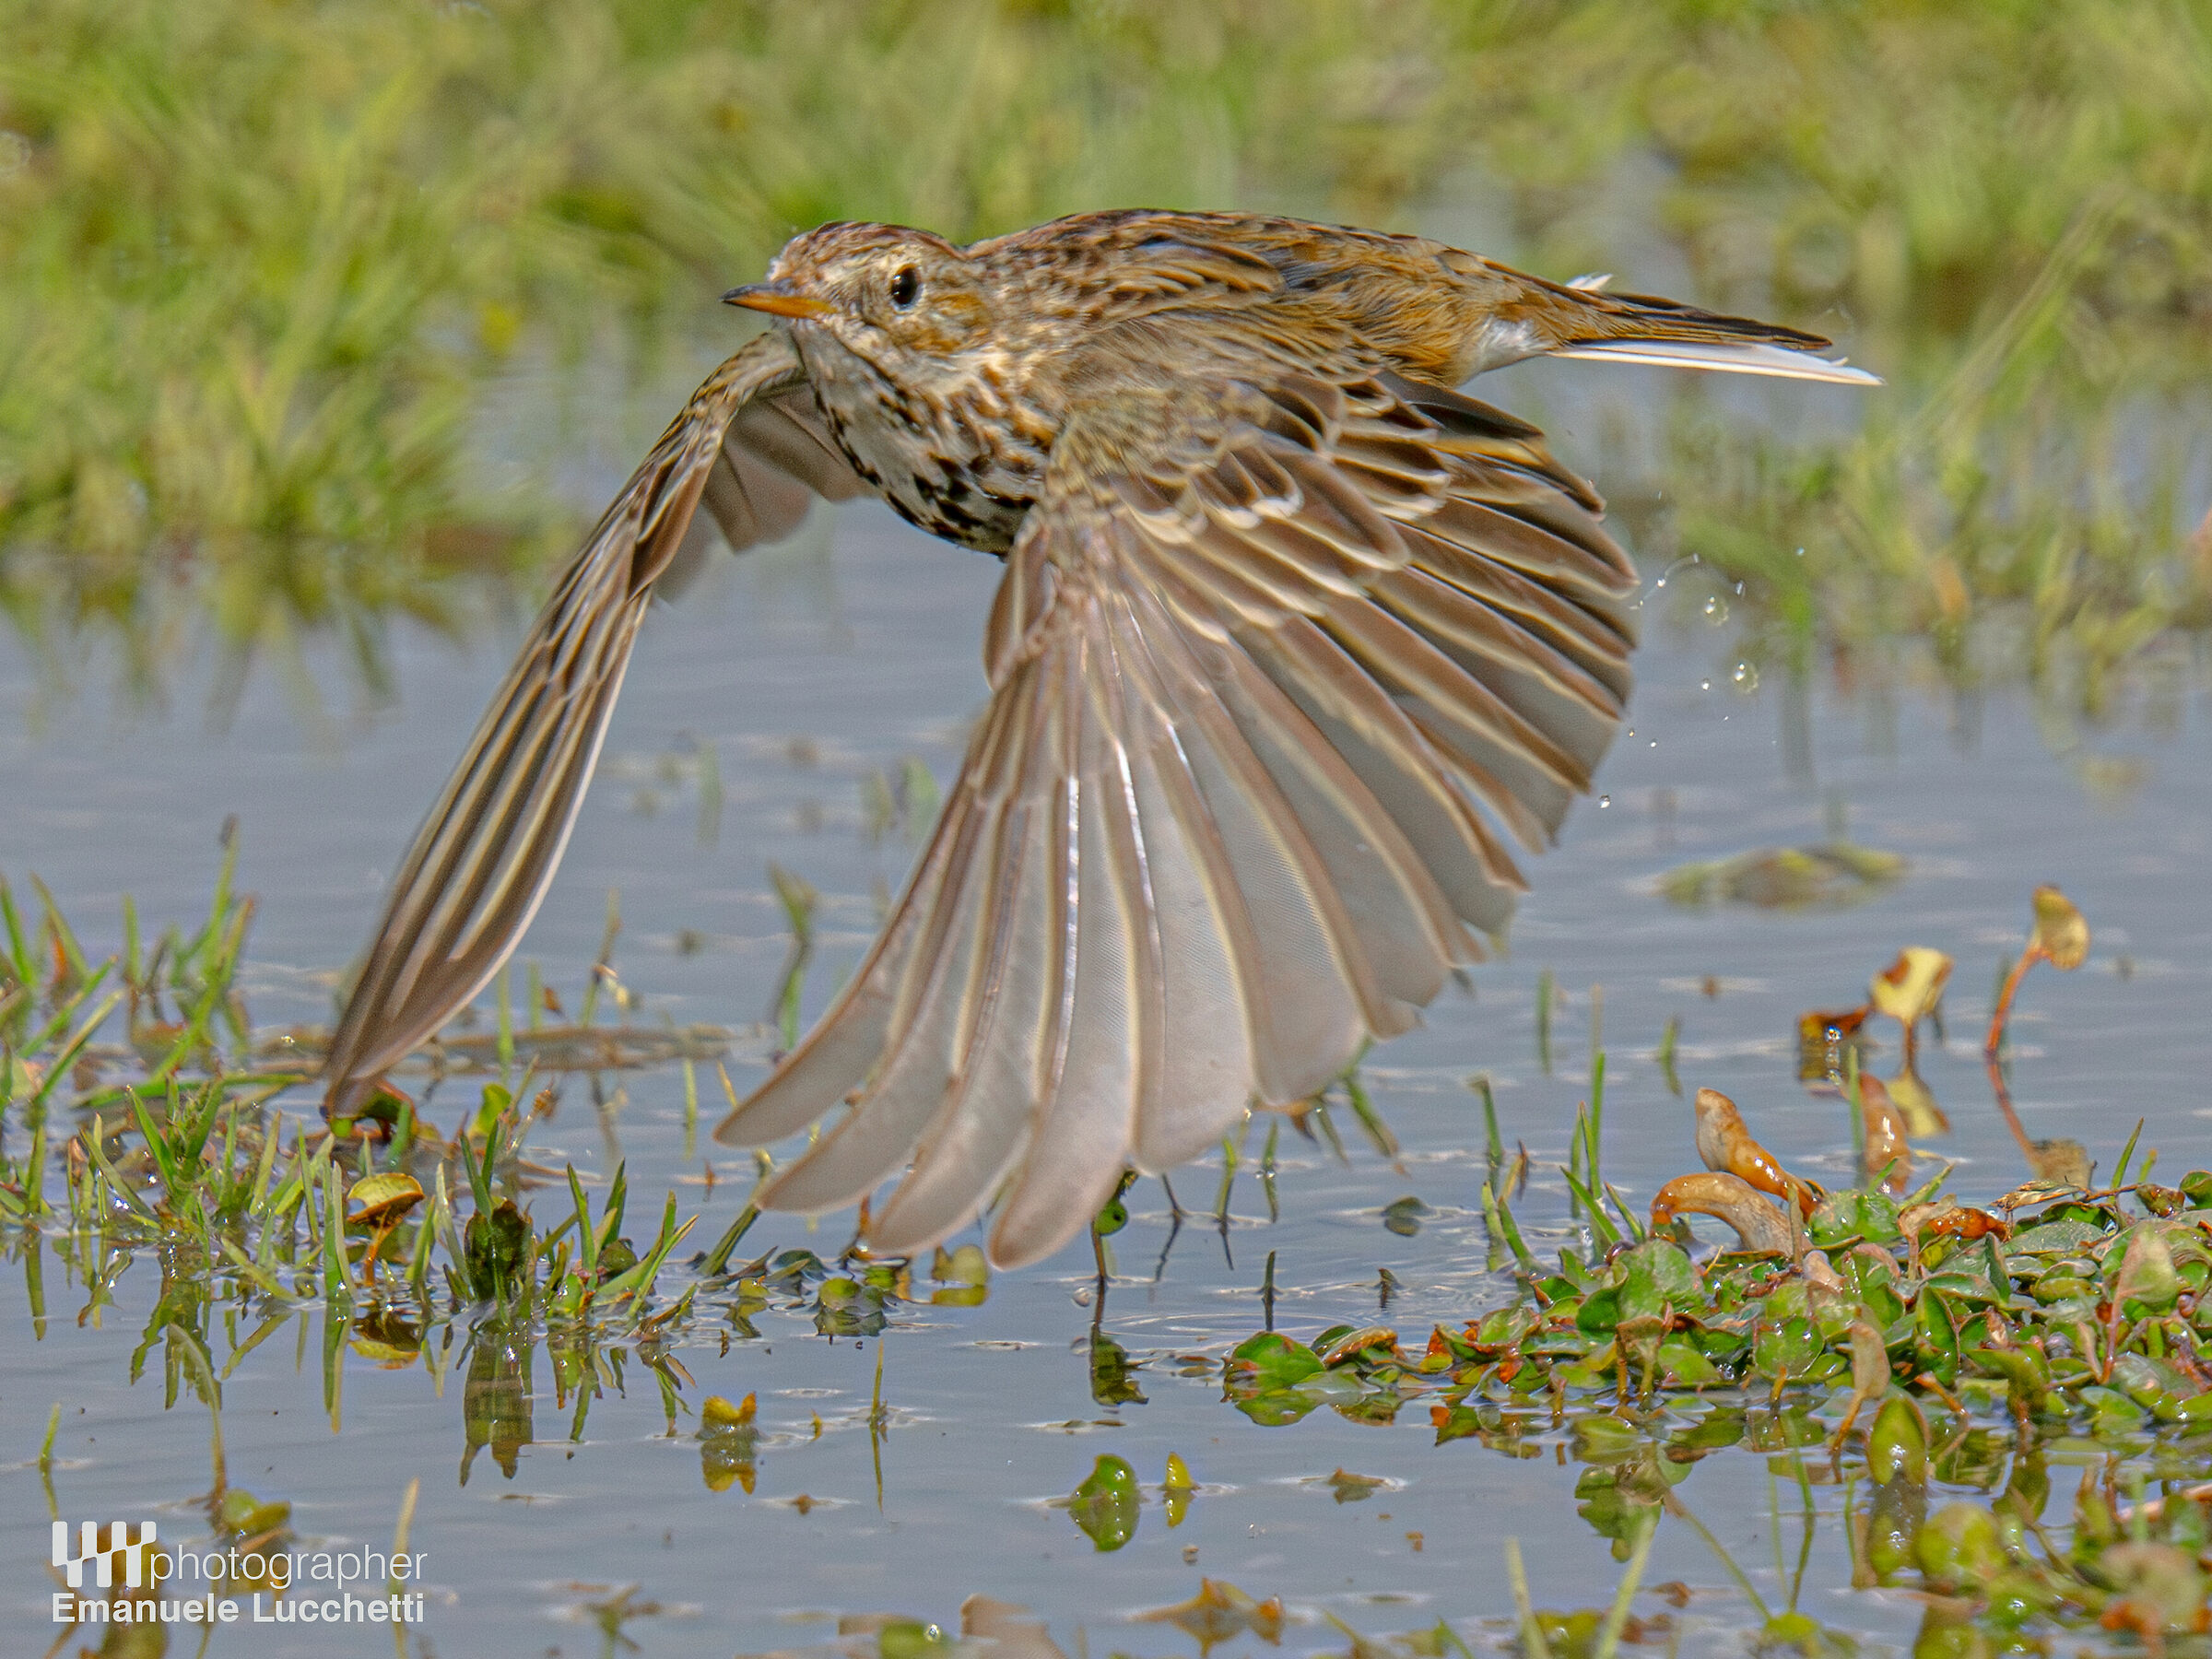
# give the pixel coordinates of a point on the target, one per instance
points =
(777, 300)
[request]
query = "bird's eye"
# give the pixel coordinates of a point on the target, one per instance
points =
(906, 287)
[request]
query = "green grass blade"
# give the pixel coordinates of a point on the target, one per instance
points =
(1500, 1215)
(1601, 1228)
(718, 1258)
(587, 1241)
(122, 1188)
(63, 935)
(59, 1068)
(18, 948)
(67, 1011)
(612, 1213)
(2126, 1154)
(156, 1142)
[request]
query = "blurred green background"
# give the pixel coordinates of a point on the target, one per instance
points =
(267, 268)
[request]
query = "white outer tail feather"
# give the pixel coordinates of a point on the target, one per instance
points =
(1745, 358)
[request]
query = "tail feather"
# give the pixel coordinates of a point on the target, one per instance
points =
(1734, 357)
(1642, 328)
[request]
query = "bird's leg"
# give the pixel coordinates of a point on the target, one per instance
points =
(858, 1248)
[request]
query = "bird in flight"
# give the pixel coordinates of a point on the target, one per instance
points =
(1293, 638)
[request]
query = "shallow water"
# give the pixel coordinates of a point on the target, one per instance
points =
(805, 669)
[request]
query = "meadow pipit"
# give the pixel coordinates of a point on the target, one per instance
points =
(1292, 636)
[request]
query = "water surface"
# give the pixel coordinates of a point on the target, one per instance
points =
(848, 653)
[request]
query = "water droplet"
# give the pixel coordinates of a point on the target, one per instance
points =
(1746, 678)
(1604, 802)
(1716, 609)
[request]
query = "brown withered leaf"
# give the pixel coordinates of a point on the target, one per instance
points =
(1761, 1227)
(2035, 1192)
(1887, 1147)
(1822, 1037)
(1949, 1218)
(1724, 1142)
(383, 1198)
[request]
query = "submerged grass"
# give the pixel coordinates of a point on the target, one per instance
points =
(395, 1239)
(170, 1145)
(263, 269)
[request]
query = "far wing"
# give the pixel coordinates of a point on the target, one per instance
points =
(482, 859)
(1270, 657)
(777, 459)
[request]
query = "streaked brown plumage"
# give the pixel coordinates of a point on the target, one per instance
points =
(1289, 632)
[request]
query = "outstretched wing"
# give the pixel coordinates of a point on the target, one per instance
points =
(750, 443)
(1268, 651)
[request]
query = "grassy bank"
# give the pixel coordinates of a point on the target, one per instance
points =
(259, 261)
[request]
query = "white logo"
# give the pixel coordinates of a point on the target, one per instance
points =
(120, 1543)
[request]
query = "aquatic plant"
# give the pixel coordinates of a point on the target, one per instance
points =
(1880, 1338)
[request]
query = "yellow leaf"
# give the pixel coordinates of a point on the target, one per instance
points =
(718, 1413)
(1913, 984)
(389, 1355)
(2062, 936)
(384, 1199)
(965, 1266)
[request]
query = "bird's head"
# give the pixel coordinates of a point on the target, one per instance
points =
(895, 297)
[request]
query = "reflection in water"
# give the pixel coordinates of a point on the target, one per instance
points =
(1113, 1375)
(729, 1443)
(987, 1630)
(495, 1402)
(1824, 876)
(388, 1337)
(1957, 1511)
